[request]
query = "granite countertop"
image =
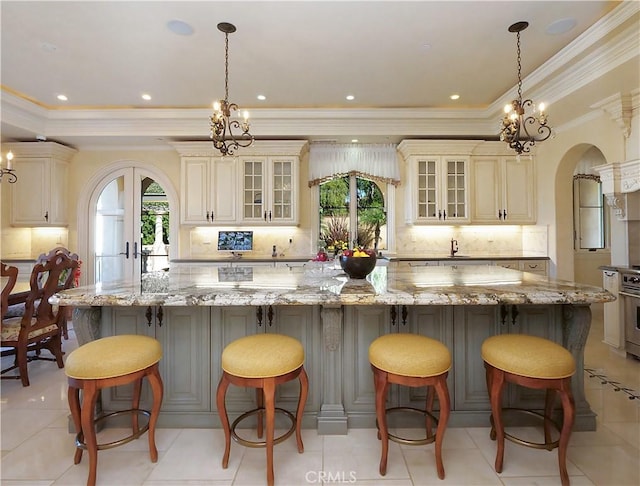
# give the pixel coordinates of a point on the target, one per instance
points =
(323, 284)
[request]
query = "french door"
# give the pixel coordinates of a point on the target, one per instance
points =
(116, 228)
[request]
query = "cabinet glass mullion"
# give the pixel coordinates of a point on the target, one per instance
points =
(456, 197)
(281, 189)
(427, 192)
(252, 199)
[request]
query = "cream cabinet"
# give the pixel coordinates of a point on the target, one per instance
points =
(257, 186)
(537, 266)
(614, 332)
(207, 188)
(502, 190)
(438, 189)
(269, 189)
(437, 180)
(39, 197)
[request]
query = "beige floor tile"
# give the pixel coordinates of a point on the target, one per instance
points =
(461, 466)
(196, 454)
(608, 465)
(546, 481)
(11, 482)
(44, 456)
(290, 468)
(115, 468)
(19, 425)
(183, 482)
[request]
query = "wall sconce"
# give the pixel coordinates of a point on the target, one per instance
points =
(9, 171)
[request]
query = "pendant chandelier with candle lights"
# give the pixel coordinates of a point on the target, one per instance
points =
(227, 133)
(9, 171)
(519, 129)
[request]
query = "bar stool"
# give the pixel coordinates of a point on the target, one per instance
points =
(262, 361)
(411, 360)
(108, 362)
(532, 362)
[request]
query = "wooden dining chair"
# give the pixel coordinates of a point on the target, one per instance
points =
(65, 282)
(39, 328)
(11, 275)
(17, 306)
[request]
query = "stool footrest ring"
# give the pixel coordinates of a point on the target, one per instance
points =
(254, 443)
(80, 436)
(402, 440)
(535, 445)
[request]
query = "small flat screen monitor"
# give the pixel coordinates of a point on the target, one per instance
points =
(237, 241)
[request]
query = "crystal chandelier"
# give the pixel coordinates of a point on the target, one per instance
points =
(9, 171)
(222, 125)
(519, 129)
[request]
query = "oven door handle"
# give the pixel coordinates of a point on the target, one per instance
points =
(627, 294)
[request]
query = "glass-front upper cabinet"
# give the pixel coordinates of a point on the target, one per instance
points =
(437, 182)
(441, 188)
(270, 189)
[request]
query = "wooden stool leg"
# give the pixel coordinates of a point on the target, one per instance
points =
(157, 389)
(549, 399)
(89, 397)
(224, 419)
(445, 405)
(495, 396)
(73, 396)
(381, 383)
(135, 403)
(429, 405)
(270, 412)
(568, 409)
(302, 401)
(260, 405)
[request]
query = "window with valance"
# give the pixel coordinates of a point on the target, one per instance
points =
(343, 173)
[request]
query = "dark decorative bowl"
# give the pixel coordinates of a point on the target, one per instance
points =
(357, 267)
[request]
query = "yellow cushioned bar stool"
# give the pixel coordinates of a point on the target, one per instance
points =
(532, 362)
(108, 362)
(262, 361)
(415, 361)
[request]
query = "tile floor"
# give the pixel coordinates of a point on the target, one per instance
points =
(37, 449)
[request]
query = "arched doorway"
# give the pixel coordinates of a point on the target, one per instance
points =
(114, 217)
(575, 263)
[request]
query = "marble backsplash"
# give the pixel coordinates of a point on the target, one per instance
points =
(419, 240)
(29, 243)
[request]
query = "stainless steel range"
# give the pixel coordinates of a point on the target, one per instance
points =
(630, 291)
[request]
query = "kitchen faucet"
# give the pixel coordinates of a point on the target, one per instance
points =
(454, 247)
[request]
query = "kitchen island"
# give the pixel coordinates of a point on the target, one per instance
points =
(195, 311)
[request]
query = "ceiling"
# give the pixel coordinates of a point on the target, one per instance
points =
(400, 60)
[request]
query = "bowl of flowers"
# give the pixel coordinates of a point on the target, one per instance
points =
(358, 263)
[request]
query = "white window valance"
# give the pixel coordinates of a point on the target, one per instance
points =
(374, 161)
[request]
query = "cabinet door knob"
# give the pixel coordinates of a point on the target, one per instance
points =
(504, 214)
(46, 216)
(207, 216)
(499, 213)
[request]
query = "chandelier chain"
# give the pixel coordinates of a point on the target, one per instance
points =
(519, 69)
(226, 67)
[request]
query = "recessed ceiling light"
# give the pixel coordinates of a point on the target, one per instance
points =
(354, 140)
(48, 46)
(351, 97)
(561, 26)
(179, 27)
(261, 97)
(426, 47)
(146, 97)
(455, 96)
(62, 97)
